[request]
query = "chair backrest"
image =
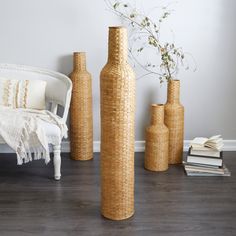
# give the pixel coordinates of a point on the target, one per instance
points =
(58, 89)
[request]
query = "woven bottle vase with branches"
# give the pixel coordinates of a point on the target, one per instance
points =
(81, 115)
(174, 120)
(117, 84)
(157, 141)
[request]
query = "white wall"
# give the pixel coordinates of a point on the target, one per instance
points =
(44, 33)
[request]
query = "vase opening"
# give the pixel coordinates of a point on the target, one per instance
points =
(157, 105)
(117, 27)
(79, 53)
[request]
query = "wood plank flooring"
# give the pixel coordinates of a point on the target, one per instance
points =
(169, 203)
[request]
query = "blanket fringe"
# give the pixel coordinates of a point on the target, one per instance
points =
(26, 154)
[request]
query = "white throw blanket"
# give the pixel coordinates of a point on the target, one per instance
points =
(22, 130)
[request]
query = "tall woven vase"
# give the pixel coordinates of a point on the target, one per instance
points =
(81, 117)
(157, 141)
(174, 120)
(117, 84)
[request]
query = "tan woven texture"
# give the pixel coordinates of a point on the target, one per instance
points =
(157, 141)
(81, 116)
(174, 120)
(117, 84)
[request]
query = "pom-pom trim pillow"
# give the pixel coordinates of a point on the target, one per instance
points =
(23, 93)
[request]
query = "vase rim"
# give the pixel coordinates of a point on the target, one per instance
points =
(176, 80)
(157, 105)
(117, 27)
(76, 53)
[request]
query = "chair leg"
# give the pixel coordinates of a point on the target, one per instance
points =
(57, 161)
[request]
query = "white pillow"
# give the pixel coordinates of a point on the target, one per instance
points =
(23, 93)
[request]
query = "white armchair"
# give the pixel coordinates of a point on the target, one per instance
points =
(58, 92)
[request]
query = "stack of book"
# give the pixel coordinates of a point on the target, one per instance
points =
(205, 158)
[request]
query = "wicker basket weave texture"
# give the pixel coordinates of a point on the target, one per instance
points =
(117, 84)
(81, 115)
(174, 120)
(157, 141)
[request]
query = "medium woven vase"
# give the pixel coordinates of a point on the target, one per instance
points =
(81, 117)
(174, 120)
(157, 141)
(117, 84)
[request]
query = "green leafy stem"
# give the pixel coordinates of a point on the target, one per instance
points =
(147, 32)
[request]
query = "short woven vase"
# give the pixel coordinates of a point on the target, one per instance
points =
(157, 141)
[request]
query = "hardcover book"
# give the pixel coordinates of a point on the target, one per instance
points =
(199, 173)
(205, 160)
(205, 151)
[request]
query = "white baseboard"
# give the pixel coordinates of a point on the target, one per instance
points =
(229, 145)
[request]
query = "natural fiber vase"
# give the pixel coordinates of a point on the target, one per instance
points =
(157, 141)
(81, 117)
(117, 84)
(174, 120)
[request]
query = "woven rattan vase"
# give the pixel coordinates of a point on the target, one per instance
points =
(81, 118)
(117, 85)
(157, 141)
(174, 120)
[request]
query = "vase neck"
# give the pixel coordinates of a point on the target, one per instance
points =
(79, 61)
(173, 91)
(157, 114)
(117, 49)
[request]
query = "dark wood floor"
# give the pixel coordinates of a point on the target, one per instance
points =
(167, 203)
